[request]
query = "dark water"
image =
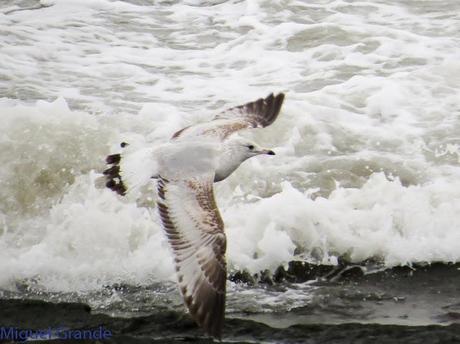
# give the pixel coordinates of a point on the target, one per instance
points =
(173, 327)
(399, 305)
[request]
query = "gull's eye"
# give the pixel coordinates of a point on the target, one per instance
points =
(251, 147)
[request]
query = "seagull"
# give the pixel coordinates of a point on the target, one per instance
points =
(185, 169)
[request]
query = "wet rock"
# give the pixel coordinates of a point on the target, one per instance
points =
(351, 273)
(266, 277)
(280, 275)
(242, 277)
(300, 272)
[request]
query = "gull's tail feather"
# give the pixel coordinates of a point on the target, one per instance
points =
(130, 170)
(113, 159)
(114, 180)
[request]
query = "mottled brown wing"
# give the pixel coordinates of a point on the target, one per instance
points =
(195, 231)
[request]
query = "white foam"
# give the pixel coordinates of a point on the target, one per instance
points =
(59, 229)
(382, 219)
(367, 160)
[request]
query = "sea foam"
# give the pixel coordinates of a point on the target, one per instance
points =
(64, 232)
(367, 145)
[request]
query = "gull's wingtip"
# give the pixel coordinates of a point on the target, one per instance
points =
(270, 108)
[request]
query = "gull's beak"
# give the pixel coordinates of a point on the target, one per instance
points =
(267, 151)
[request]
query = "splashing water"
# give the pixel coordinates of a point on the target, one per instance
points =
(367, 143)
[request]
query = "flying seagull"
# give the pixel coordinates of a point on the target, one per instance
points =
(186, 168)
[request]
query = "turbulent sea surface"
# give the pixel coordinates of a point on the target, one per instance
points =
(356, 219)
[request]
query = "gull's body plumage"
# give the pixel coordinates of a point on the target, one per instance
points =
(186, 168)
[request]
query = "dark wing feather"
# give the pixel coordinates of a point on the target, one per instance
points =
(259, 114)
(194, 228)
(256, 114)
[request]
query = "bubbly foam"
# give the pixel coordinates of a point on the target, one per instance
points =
(367, 145)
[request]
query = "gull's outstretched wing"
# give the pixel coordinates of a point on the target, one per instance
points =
(130, 170)
(256, 114)
(195, 232)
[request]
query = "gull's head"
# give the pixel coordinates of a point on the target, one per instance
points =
(247, 148)
(235, 151)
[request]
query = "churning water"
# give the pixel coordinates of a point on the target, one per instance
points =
(367, 143)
